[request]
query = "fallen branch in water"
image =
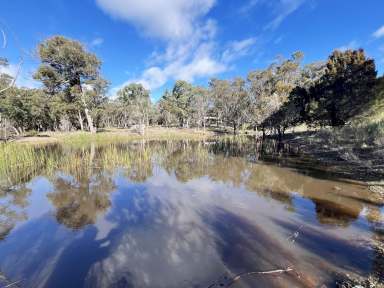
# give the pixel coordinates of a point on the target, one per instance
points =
(237, 277)
(277, 271)
(11, 284)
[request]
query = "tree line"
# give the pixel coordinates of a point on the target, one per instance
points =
(285, 94)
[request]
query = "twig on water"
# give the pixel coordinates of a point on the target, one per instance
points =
(227, 282)
(237, 277)
(277, 271)
(292, 238)
(11, 284)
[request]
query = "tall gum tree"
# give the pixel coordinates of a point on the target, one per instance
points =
(137, 102)
(65, 68)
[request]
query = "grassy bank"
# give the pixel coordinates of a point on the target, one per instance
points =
(116, 135)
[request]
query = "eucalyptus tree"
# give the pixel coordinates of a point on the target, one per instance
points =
(26, 109)
(181, 98)
(200, 105)
(347, 87)
(167, 109)
(220, 94)
(5, 82)
(5, 79)
(136, 101)
(65, 68)
(270, 88)
(231, 100)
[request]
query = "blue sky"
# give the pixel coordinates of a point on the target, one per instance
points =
(155, 42)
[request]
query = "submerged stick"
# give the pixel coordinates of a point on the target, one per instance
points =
(277, 271)
(237, 277)
(11, 284)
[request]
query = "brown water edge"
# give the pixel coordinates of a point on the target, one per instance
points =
(247, 215)
(344, 158)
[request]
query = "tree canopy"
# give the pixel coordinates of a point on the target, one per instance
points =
(284, 94)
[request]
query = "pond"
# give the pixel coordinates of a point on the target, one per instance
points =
(181, 214)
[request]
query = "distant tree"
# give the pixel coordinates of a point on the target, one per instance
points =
(200, 105)
(135, 98)
(26, 109)
(270, 88)
(181, 98)
(300, 106)
(5, 79)
(66, 67)
(232, 101)
(167, 109)
(95, 98)
(346, 87)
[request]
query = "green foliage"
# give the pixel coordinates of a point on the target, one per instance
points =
(345, 90)
(5, 79)
(66, 67)
(27, 109)
(341, 90)
(177, 105)
(270, 88)
(135, 99)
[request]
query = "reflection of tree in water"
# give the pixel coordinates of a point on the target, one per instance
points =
(141, 163)
(186, 159)
(328, 212)
(78, 203)
(378, 259)
(189, 160)
(82, 178)
(12, 205)
(336, 203)
(232, 170)
(80, 197)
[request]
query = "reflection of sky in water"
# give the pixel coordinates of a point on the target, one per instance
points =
(167, 233)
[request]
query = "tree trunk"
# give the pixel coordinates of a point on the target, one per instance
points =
(92, 128)
(234, 128)
(81, 122)
(280, 133)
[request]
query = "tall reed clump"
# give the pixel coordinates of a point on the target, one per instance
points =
(19, 162)
(112, 157)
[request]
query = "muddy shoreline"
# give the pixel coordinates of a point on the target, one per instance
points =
(349, 160)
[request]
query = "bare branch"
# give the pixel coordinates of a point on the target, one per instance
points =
(231, 281)
(15, 77)
(277, 271)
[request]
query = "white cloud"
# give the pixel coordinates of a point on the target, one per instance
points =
(282, 10)
(279, 10)
(167, 19)
(350, 46)
(190, 50)
(238, 49)
(248, 6)
(379, 32)
(97, 42)
(188, 67)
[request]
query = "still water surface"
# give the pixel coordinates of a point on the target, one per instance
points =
(181, 214)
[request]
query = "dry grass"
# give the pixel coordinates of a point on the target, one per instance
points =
(116, 135)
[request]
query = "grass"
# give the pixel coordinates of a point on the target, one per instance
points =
(79, 153)
(117, 135)
(19, 161)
